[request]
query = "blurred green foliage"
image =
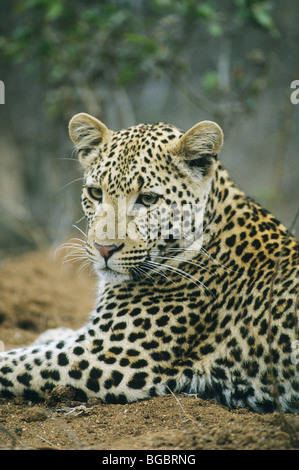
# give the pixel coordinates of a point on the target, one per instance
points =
(119, 43)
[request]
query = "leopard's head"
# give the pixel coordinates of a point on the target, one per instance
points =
(144, 193)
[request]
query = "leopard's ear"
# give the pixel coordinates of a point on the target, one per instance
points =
(200, 146)
(88, 133)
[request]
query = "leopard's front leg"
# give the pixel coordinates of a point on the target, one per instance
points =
(94, 363)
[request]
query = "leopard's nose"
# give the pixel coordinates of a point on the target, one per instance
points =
(107, 250)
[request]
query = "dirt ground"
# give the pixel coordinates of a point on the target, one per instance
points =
(37, 293)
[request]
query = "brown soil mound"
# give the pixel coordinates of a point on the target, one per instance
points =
(37, 293)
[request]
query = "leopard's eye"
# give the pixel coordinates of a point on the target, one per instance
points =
(95, 193)
(147, 199)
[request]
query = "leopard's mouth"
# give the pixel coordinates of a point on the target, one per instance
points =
(119, 270)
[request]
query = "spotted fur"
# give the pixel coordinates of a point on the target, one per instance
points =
(211, 312)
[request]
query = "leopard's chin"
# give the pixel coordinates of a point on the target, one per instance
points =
(109, 275)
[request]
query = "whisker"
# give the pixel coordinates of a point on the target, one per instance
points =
(78, 221)
(183, 249)
(194, 263)
(68, 158)
(75, 252)
(157, 271)
(191, 240)
(73, 245)
(71, 182)
(70, 244)
(80, 230)
(77, 239)
(138, 270)
(204, 252)
(170, 268)
(73, 257)
(182, 273)
(84, 266)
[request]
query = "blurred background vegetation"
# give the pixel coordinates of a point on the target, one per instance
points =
(131, 61)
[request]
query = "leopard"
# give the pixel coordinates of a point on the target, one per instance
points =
(197, 284)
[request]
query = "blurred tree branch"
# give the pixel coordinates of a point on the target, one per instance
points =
(118, 44)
